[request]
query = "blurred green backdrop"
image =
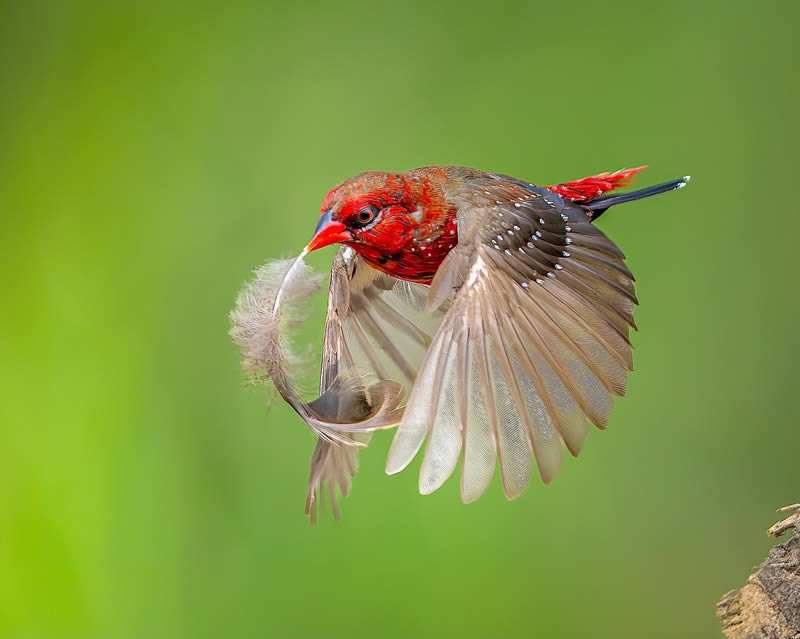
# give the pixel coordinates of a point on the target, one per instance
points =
(152, 153)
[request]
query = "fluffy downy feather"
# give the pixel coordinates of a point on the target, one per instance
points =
(267, 306)
(266, 309)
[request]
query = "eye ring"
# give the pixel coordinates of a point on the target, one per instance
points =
(365, 216)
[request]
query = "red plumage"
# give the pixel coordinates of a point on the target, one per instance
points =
(589, 188)
(490, 315)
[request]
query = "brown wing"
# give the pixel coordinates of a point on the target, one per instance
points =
(532, 347)
(376, 329)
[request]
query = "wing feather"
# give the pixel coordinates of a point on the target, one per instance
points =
(444, 446)
(375, 330)
(364, 317)
(540, 431)
(480, 438)
(576, 372)
(513, 443)
(532, 347)
(556, 400)
(419, 413)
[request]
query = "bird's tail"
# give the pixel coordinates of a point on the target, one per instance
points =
(600, 205)
(588, 190)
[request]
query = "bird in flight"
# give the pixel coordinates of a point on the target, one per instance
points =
(494, 309)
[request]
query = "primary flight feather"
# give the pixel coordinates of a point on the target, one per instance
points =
(493, 305)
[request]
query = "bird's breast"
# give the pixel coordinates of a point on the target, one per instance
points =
(417, 258)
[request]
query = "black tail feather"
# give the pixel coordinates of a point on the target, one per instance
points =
(602, 204)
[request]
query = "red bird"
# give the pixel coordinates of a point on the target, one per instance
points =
(497, 303)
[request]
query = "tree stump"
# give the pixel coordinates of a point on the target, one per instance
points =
(768, 605)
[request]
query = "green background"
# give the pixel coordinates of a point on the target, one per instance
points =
(151, 154)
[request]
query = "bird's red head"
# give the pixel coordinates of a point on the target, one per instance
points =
(392, 220)
(359, 210)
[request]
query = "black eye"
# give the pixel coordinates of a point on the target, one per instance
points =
(365, 216)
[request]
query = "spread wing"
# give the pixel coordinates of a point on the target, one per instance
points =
(376, 329)
(533, 346)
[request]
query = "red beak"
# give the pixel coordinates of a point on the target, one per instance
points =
(328, 231)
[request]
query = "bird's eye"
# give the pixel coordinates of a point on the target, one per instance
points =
(365, 216)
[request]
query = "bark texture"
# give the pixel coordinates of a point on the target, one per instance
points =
(768, 605)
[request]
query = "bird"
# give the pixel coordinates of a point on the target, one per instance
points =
(497, 306)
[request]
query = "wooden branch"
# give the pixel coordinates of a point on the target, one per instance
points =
(768, 605)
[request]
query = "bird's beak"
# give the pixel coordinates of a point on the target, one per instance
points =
(328, 231)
